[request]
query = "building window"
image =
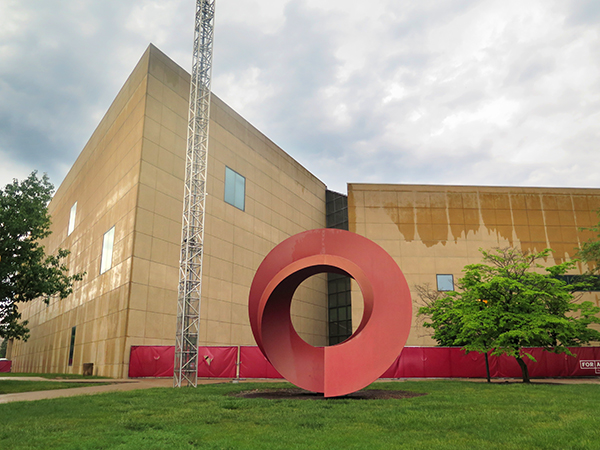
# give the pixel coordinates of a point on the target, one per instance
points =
(445, 282)
(235, 188)
(336, 207)
(340, 308)
(72, 346)
(72, 219)
(107, 250)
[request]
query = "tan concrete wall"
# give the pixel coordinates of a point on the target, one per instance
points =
(282, 199)
(433, 230)
(103, 181)
(130, 175)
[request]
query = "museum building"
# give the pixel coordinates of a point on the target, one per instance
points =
(119, 212)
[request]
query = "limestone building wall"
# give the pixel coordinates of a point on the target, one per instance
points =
(130, 176)
(104, 183)
(431, 230)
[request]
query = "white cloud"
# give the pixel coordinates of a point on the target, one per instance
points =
(465, 92)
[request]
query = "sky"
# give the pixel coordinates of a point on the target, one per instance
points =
(497, 92)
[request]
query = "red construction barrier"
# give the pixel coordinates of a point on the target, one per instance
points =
(151, 361)
(437, 362)
(453, 362)
(5, 366)
(217, 362)
(158, 361)
(254, 365)
(413, 362)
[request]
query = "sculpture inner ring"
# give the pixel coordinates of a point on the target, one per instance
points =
(379, 338)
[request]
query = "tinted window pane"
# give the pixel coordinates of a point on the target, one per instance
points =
(72, 346)
(235, 188)
(445, 283)
(344, 299)
(107, 250)
(332, 287)
(240, 191)
(72, 216)
(333, 329)
(229, 186)
(333, 315)
(332, 301)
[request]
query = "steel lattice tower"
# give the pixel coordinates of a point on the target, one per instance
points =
(192, 239)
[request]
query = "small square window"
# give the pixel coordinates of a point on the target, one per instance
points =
(445, 282)
(107, 250)
(235, 188)
(72, 215)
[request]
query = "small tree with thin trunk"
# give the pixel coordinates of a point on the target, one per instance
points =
(26, 271)
(510, 302)
(446, 311)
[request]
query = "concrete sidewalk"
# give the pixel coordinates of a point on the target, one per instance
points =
(115, 385)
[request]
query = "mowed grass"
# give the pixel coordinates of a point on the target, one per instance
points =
(16, 386)
(57, 376)
(454, 415)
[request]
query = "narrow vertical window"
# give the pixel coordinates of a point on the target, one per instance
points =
(445, 282)
(72, 346)
(107, 250)
(72, 219)
(235, 188)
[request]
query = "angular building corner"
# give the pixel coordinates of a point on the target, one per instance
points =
(126, 233)
(119, 211)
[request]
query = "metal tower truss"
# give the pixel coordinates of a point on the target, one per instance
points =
(192, 239)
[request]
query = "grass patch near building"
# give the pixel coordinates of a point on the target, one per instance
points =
(17, 386)
(51, 376)
(453, 415)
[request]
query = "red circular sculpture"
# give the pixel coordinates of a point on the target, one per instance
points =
(361, 359)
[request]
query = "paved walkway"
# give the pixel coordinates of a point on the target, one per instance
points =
(115, 385)
(149, 383)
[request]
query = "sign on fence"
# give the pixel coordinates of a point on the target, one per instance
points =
(593, 364)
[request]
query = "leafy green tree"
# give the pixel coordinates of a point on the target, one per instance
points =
(590, 250)
(26, 272)
(510, 302)
(446, 311)
(3, 348)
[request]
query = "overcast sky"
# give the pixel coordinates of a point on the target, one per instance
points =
(385, 91)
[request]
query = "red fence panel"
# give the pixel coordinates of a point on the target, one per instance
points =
(254, 365)
(414, 362)
(158, 361)
(452, 362)
(471, 365)
(587, 362)
(217, 362)
(151, 361)
(5, 366)
(436, 362)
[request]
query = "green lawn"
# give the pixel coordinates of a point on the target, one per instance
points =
(65, 376)
(454, 415)
(16, 386)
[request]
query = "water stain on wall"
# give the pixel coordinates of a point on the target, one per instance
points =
(534, 221)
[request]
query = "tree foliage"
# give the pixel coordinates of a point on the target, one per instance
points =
(26, 272)
(510, 302)
(590, 250)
